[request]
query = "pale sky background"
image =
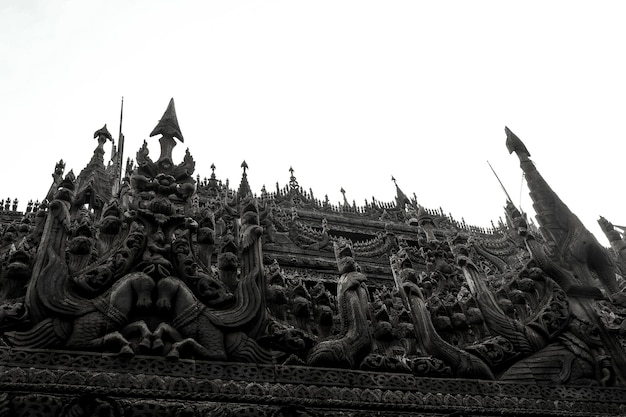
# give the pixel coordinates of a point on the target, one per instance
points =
(349, 93)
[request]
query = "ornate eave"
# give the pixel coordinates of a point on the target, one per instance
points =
(216, 388)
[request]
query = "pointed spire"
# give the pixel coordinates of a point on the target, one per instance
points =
(94, 183)
(401, 198)
(119, 160)
(293, 183)
(244, 187)
(169, 129)
(168, 125)
(213, 184)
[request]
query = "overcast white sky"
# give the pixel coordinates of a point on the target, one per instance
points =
(349, 93)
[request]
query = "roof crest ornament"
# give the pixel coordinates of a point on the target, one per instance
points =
(169, 129)
(102, 135)
(293, 183)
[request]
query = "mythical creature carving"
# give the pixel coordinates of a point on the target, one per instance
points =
(429, 340)
(148, 284)
(355, 339)
(571, 255)
(575, 255)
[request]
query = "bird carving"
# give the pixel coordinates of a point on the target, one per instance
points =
(514, 144)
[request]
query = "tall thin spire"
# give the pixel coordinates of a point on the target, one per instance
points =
(117, 157)
(508, 197)
(120, 143)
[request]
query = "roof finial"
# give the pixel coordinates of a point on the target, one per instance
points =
(102, 135)
(244, 187)
(293, 183)
(345, 200)
(168, 127)
(168, 124)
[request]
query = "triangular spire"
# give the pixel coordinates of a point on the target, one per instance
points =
(244, 187)
(401, 198)
(93, 185)
(168, 125)
(212, 185)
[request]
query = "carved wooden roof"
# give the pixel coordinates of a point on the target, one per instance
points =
(172, 295)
